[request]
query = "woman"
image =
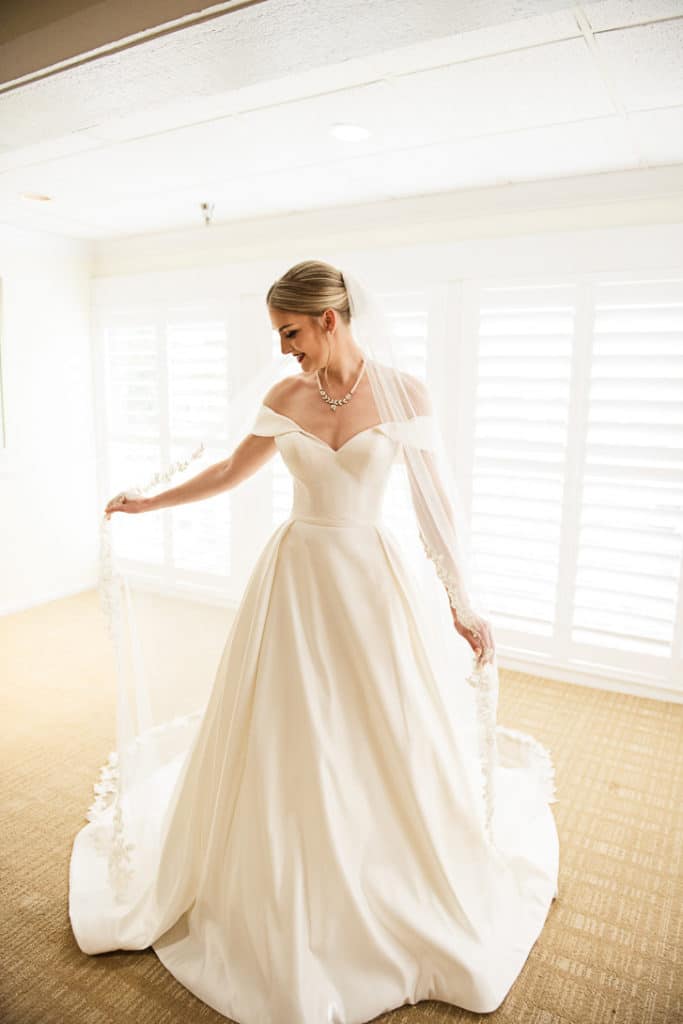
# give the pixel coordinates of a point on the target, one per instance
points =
(325, 850)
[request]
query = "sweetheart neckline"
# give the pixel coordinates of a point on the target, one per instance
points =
(315, 437)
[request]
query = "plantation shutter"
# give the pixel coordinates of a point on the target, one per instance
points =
(630, 533)
(168, 389)
(132, 357)
(521, 414)
(199, 368)
(577, 472)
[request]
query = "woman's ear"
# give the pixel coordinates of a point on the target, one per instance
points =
(328, 319)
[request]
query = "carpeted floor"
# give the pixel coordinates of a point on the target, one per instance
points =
(611, 951)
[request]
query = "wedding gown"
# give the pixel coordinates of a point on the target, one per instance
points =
(321, 855)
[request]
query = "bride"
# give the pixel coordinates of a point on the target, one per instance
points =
(342, 827)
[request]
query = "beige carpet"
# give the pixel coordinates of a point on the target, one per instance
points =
(611, 951)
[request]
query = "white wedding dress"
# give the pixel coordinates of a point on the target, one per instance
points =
(321, 855)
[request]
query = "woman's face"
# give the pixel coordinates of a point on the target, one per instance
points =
(301, 336)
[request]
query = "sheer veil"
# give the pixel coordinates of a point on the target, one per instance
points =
(157, 722)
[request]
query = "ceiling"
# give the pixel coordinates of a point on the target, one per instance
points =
(235, 109)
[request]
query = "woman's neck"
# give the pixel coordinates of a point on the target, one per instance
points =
(343, 372)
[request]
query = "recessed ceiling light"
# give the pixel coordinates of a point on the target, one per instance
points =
(37, 196)
(349, 132)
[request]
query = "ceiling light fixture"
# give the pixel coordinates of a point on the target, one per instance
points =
(37, 196)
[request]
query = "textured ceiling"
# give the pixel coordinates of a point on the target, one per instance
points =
(237, 110)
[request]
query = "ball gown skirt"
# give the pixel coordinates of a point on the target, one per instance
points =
(319, 855)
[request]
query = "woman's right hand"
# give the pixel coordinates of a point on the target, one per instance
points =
(126, 501)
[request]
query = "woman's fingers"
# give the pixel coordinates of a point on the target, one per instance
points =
(115, 504)
(487, 651)
(129, 502)
(479, 637)
(482, 641)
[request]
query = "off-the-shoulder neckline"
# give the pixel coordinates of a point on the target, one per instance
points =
(365, 430)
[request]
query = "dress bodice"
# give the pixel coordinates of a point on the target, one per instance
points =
(346, 484)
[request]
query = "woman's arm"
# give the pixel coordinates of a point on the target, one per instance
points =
(249, 455)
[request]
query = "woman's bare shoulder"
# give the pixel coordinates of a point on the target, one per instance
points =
(283, 394)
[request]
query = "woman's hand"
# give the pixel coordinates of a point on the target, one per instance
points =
(126, 501)
(482, 644)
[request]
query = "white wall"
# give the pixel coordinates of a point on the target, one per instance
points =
(48, 512)
(622, 220)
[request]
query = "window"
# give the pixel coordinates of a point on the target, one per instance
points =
(520, 458)
(629, 553)
(577, 478)
(168, 389)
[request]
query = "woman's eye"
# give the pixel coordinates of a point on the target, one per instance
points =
(290, 334)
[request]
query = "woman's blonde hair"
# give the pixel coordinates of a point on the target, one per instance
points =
(310, 287)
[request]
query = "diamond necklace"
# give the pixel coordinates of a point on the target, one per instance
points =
(335, 402)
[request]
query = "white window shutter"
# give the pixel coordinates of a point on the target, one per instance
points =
(630, 539)
(198, 374)
(198, 378)
(132, 370)
(167, 381)
(521, 412)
